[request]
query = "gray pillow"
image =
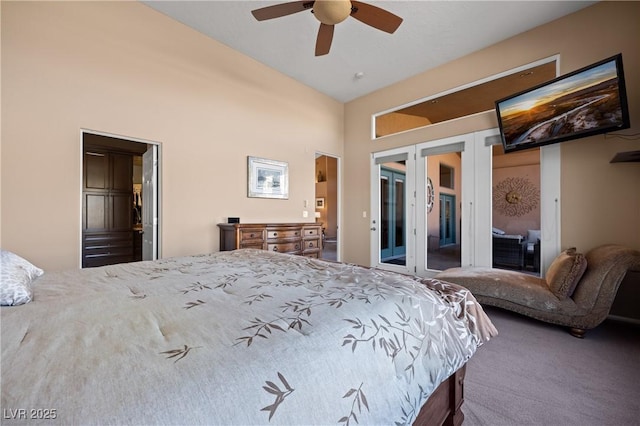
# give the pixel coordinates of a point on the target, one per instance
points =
(16, 275)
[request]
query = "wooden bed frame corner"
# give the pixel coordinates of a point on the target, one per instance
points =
(444, 406)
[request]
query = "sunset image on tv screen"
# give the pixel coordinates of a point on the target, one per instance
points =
(578, 104)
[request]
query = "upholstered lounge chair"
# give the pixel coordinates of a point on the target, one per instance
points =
(552, 299)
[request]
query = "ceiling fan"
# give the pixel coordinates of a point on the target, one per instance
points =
(330, 13)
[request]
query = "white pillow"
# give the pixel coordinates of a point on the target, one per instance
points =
(497, 231)
(16, 275)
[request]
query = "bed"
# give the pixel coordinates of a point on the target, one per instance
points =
(240, 337)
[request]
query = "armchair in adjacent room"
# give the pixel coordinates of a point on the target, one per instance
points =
(509, 250)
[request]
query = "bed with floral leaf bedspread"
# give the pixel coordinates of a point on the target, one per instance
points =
(242, 337)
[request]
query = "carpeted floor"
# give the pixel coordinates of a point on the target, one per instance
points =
(537, 374)
(329, 250)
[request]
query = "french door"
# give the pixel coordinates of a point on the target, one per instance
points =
(449, 218)
(392, 210)
(457, 215)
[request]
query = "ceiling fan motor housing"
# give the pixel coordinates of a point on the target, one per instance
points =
(331, 12)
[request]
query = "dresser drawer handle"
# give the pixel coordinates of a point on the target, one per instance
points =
(275, 248)
(310, 244)
(297, 233)
(275, 234)
(252, 235)
(297, 246)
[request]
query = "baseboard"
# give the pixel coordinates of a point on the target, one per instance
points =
(633, 321)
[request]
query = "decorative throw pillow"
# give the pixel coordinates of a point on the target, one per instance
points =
(16, 275)
(565, 272)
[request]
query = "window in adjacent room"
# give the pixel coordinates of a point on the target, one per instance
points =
(446, 176)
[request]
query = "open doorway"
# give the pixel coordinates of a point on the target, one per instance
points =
(119, 200)
(326, 204)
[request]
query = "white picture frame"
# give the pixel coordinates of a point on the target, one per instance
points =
(267, 178)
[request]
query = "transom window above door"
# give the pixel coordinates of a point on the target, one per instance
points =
(473, 98)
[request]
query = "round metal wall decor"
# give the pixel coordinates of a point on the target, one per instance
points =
(515, 196)
(430, 195)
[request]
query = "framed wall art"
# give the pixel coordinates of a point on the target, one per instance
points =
(319, 203)
(268, 178)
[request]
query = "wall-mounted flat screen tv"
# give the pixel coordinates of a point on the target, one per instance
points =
(586, 102)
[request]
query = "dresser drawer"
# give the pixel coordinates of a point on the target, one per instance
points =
(311, 244)
(100, 249)
(110, 252)
(285, 247)
(311, 232)
(103, 243)
(282, 233)
(252, 245)
(250, 234)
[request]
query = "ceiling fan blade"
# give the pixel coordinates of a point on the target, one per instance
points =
(282, 9)
(325, 37)
(375, 17)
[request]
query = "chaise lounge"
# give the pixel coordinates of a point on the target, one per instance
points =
(578, 290)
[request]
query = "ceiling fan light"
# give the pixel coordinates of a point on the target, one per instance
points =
(331, 12)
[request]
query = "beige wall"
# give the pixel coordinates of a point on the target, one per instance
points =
(125, 69)
(600, 201)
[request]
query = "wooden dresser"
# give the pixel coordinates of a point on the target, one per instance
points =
(293, 238)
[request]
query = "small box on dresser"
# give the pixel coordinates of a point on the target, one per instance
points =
(303, 239)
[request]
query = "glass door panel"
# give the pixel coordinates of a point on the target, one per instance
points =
(516, 210)
(447, 220)
(392, 214)
(385, 233)
(444, 189)
(443, 218)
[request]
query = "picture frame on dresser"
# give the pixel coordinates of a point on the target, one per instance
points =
(267, 178)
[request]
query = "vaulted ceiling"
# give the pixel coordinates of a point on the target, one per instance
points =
(363, 59)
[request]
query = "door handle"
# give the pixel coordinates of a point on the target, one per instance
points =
(373, 229)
